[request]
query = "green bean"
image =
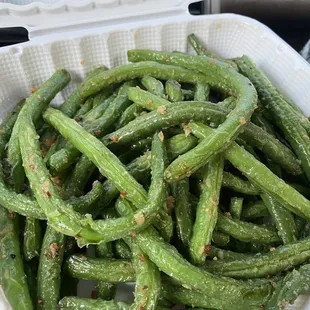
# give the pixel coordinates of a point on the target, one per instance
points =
(245, 231)
(220, 239)
(86, 107)
(75, 303)
(32, 238)
(79, 176)
(226, 254)
(171, 115)
(65, 157)
(135, 150)
(169, 261)
(281, 112)
(261, 176)
(105, 290)
(173, 90)
(146, 99)
(102, 269)
(253, 211)
(182, 210)
(12, 276)
(129, 114)
(73, 103)
(231, 81)
(300, 224)
(26, 206)
(139, 167)
(287, 290)
(188, 94)
(108, 164)
(194, 298)
(238, 185)
(206, 216)
(101, 102)
(259, 120)
(201, 50)
(179, 144)
(153, 85)
(49, 271)
(148, 281)
(66, 220)
(85, 204)
(228, 103)
(174, 114)
(115, 109)
(236, 205)
(70, 108)
(273, 148)
(157, 191)
(7, 126)
(283, 218)
(260, 265)
(202, 92)
(35, 104)
(122, 250)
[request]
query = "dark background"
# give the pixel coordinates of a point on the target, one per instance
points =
(290, 21)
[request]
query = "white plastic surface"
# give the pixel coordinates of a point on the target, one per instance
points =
(53, 16)
(27, 65)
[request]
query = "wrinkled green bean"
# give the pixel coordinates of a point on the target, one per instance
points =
(35, 104)
(260, 265)
(32, 238)
(261, 176)
(49, 272)
(207, 209)
(103, 269)
(221, 77)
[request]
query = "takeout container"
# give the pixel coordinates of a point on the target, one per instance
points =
(79, 35)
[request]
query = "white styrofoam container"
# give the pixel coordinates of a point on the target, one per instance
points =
(59, 42)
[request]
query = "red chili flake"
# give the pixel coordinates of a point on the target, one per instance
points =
(53, 250)
(34, 89)
(242, 120)
(207, 249)
(115, 139)
(50, 142)
(132, 233)
(162, 109)
(123, 195)
(142, 258)
(40, 302)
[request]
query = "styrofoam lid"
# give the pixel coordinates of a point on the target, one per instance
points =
(46, 16)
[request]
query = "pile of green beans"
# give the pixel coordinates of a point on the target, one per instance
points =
(168, 174)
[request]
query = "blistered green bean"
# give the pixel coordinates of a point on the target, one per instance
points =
(207, 209)
(276, 260)
(32, 238)
(103, 269)
(153, 85)
(261, 176)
